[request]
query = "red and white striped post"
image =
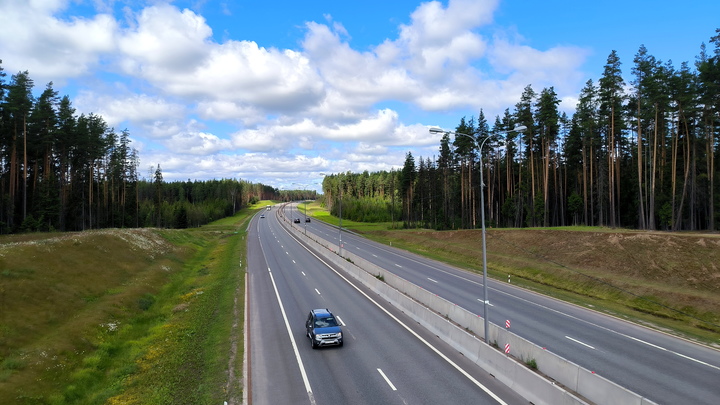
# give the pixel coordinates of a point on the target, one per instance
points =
(507, 328)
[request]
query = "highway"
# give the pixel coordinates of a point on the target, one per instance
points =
(663, 368)
(386, 358)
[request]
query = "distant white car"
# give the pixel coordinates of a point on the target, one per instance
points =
(262, 216)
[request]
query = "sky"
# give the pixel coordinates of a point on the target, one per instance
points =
(283, 92)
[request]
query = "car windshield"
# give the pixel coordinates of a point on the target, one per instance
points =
(325, 322)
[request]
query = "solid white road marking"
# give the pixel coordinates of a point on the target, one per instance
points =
(387, 380)
(577, 341)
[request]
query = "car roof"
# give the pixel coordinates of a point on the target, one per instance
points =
(321, 311)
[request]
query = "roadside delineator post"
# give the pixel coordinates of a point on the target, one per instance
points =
(507, 328)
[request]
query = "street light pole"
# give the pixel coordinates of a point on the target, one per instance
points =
(519, 128)
(340, 225)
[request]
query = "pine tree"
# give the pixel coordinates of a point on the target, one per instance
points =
(158, 184)
(43, 123)
(524, 116)
(16, 109)
(548, 129)
(445, 163)
(407, 183)
(612, 123)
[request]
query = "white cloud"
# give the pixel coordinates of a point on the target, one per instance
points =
(48, 47)
(259, 140)
(373, 128)
(555, 66)
(439, 36)
(366, 149)
(415, 135)
(197, 143)
(438, 63)
(162, 129)
(362, 77)
(259, 167)
(172, 50)
(223, 110)
(165, 39)
(209, 109)
(137, 108)
(377, 128)
(338, 107)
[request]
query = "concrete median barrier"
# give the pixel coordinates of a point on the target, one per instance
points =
(557, 381)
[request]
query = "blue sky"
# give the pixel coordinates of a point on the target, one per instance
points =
(278, 92)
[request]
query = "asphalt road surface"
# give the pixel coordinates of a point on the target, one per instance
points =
(663, 368)
(386, 358)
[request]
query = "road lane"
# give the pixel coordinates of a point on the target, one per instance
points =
(271, 356)
(373, 339)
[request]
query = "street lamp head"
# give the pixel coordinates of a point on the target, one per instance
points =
(519, 128)
(437, 130)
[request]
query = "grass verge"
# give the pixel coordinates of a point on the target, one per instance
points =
(123, 316)
(666, 281)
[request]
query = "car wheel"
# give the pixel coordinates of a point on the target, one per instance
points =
(312, 343)
(341, 344)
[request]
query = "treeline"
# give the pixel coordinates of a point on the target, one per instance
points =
(297, 195)
(366, 197)
(67, 172)
(637, 154)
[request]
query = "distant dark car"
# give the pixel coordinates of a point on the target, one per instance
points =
(323, 329)
(307, 219)
(296, 220)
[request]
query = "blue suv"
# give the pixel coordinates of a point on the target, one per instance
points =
(323, 329)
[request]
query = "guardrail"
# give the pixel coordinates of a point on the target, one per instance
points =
(557, 381)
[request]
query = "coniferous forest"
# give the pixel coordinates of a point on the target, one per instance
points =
(60, 171)
(639, 151)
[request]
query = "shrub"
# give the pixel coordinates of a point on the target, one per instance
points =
(146, 301)
(532, 364)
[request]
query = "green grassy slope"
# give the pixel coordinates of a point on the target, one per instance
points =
(664, 280)
(123, 316)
